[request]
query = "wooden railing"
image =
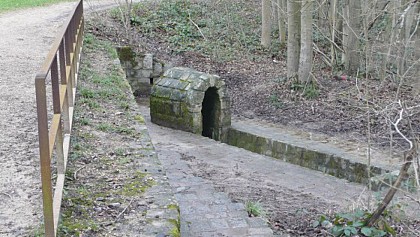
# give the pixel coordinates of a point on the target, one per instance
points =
(54, 128)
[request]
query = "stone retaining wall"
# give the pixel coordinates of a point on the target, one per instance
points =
(328, 163)
(141, 70)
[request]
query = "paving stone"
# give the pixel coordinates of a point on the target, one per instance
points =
(216, 215)
(201, 226)
(255, 222)
(260, 231)
(218, 224)
(237, 222)
(218, 208)
(234, 232)
(236, 207)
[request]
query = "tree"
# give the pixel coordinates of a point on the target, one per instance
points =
(305, 59)
(281, 13)
(293, 39)
(351, 31)
(266, 23)
(333, 24)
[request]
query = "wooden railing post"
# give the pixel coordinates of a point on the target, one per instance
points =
(41, 102)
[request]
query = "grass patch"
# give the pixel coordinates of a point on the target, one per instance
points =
(125, 130)
(90, 103)
(9, 5)
(87, 93)
(105, 127)
(255, 209)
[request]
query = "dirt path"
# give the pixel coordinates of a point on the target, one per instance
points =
(26, 36)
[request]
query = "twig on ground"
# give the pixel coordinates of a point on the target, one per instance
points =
(410, 197)
(6, 194)
(125, 209)
(75, 172)
(196, 26)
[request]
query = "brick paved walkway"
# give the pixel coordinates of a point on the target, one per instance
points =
(204, 211)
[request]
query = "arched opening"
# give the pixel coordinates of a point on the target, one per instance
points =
(210, 112)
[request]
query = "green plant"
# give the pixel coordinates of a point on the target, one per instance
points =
(125, 130)
(311, 91)
(124, 105)
(119, 151)
(275, 101)
(87, 93)
(308, 90)
(89, 39)
(354, 223)
(92, 104)
(84, 121)
(254, 208)
(104, 127)
(39, 231)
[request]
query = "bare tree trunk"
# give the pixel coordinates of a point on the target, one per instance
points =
(293, 39)
(282, 13)
(305, 60)
(408, 18)
(333, 24)
(416, 38)
(389, 33)
(274, 11)
(266, 23)
(351, 31)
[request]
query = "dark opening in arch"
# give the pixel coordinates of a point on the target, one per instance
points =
(210, 112)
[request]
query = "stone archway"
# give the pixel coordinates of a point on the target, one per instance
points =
(210, 113)
(192, 101)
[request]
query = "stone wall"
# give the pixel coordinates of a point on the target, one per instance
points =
(141, 70)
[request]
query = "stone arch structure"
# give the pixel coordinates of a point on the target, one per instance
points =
(191, 101)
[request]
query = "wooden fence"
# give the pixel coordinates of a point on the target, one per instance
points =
(54, 128)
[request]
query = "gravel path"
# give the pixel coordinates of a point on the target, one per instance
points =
(26, 36)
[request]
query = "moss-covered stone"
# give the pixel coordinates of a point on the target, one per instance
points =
(126, 54)
(177, 101)
(327, 163)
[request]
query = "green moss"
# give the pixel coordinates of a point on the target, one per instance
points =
(173, 207)
(139, 184)
(176, 229)
(126, 54)
(360, 173)
(309, 159)
(139, 119)
(76, 227)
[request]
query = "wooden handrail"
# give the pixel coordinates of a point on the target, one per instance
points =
(62, 65)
